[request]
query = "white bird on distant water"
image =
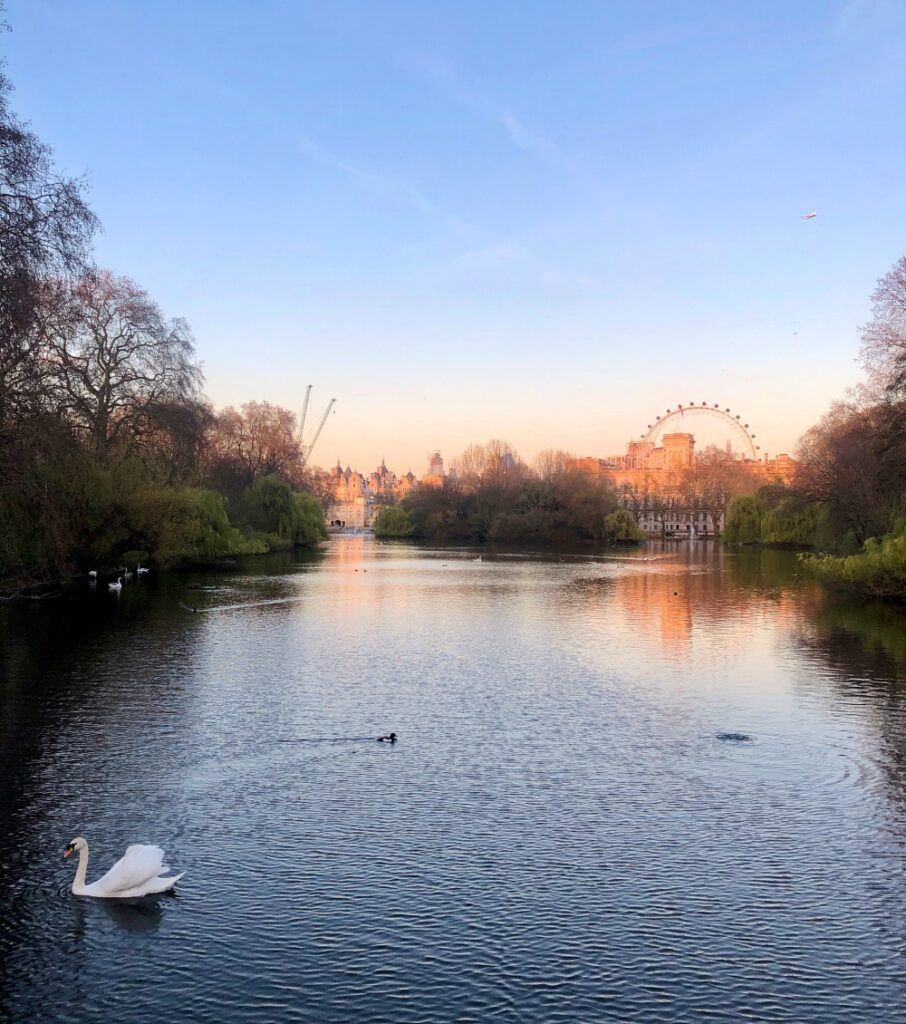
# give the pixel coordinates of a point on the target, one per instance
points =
(139, 872)
(116, 586)
(93, 575)
(141, 570)
(808, 216)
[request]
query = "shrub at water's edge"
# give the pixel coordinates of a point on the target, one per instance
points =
(879, 569)
(274, 515)
(621, 527)
(103, 516)
(393, 521)
(176, 524)
(182, 523)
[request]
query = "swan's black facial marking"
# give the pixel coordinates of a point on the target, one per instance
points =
(69, 848)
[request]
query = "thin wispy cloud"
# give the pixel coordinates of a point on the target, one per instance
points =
(488, 255)
(516, 129)
(388, 188)
(512, 261)
(527, 138)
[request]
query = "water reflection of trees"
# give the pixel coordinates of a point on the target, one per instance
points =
(865, 640)
(863, 649)
(675, 590)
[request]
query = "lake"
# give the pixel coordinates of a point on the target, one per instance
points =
(558, 835)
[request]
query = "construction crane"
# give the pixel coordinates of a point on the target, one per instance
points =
(306, 449)
(304, 413)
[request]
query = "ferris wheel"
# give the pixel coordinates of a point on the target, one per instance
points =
(683, 417)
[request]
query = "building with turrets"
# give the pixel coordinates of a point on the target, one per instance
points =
(355, 499)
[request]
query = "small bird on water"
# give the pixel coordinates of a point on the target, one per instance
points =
(387, 739)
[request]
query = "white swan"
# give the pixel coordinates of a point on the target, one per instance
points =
(116, 586)
(141, 570)
(93, 575)
(137, 873)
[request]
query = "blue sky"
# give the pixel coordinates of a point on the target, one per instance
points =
(539, 221)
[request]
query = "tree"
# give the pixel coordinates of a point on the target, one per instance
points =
(283, 518)
(393, 521)
(854, 460)
(884, 337)
(489, 463)
(492, 473)
(621, 527)
(113, 357)
(175, 523)
(441, 513)
(175, 439)
(585, 500)
(744, 518)
(552, 462)
(709, 484)
(256, 442)
(45, 229)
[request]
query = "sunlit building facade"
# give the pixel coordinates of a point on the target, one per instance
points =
(652, 482)
(355, 499)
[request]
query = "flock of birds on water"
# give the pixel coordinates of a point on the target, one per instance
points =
(124, 574)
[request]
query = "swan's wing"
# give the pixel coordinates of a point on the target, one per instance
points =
(137, 865)
(161, 884)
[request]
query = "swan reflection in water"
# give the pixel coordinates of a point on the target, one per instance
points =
(140, 916)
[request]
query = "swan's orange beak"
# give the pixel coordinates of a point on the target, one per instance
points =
(68, 851)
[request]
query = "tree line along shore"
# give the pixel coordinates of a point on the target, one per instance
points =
(111, 452)
(845, 510)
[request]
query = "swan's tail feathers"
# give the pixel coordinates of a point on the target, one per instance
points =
(163, 884)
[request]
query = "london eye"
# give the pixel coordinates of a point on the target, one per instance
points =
(682, 419)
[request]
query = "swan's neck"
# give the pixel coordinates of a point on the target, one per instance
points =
(78, 884)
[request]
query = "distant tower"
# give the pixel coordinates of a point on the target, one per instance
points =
(435, 464)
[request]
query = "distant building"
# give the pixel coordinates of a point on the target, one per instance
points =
(435, 476)
(649, 479)
(355, 500)
(657, 464)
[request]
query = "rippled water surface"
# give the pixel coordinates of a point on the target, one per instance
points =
(558, 835)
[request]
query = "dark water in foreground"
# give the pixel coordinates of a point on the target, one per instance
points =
(558, 835)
